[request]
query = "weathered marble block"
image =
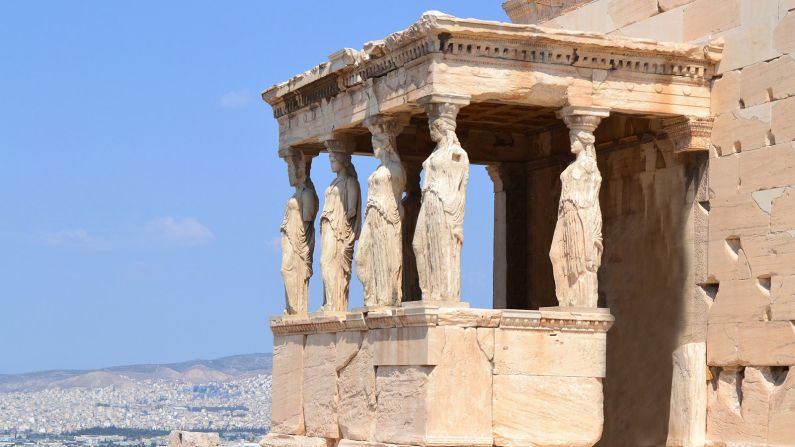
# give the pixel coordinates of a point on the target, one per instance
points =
(287, 411)
(441, 377)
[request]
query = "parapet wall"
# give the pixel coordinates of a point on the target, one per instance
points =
(445, 377)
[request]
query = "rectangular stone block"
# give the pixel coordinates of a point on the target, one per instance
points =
(709, 17)
(771, 255)
(469, 317)
(407, 346)
(348, 344)
(287, 409)
(401, 411)
(767, 168)
(783, 212)
(768, 81)
(459, 396)
(783, 122)
(320, 386)
(782, 296)
(352, 443)
(736, 217)
(751, 42)
(549, 353)
(357, 395)
(769, 343)
(624, 12)
(593, 16)
(665, 27)
(724, 177)
(547, 411)
(739, 301)
(739, 407)
(783, 40)
(726, 93)
(742, 130)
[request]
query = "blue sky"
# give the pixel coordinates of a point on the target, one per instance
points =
(140, 190)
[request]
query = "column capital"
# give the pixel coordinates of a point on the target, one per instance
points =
(689, 133)
(339, 142)
(495, 173)
(387, 125)
(443, 105)
(585, 118)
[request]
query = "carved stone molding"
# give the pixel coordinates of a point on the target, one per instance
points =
(552, 318)
(689, 134)
(582, 117)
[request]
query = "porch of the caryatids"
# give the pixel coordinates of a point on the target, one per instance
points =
(379, 260)
(340, 225)
(439, 235)
(298, 231)
(576, 251)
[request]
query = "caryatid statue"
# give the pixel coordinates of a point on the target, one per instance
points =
(576, 251)
(298, 233)
(439, 234)
(340, 223)
(379, 261)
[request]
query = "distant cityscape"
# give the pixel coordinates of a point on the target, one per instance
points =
(138, 412)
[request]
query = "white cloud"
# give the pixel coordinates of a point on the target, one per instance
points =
(77, 237)
(237, 98)
(186, 231)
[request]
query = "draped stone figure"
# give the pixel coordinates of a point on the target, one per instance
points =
(576, 252)
(379, 261)
(340, 223)
(298, 234)
(439, 234)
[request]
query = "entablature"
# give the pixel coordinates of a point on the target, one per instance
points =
(493, 62)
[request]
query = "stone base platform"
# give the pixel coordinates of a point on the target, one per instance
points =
(429, 376)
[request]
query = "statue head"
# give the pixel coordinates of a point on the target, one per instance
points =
(341, 163)
(582, 142)
(296, 168)
(441, 118)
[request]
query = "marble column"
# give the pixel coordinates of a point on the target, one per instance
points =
(576, 251)
(298, 231)
(340, 224)
(411, 209)
(500, 266)
(379, 260)
(439, 235)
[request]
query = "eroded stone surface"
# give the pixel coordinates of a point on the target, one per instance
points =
(549, 353)
(688, 417)
(357, 395)
(400, 415)
(287, 410)
(547, 411)
(320, 386)
(459, 393)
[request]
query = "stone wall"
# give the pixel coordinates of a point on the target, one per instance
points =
(747, 272)
(449, 377)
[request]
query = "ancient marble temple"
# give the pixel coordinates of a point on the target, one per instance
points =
(595, 145)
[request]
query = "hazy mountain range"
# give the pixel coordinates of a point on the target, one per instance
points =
(194, 371)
